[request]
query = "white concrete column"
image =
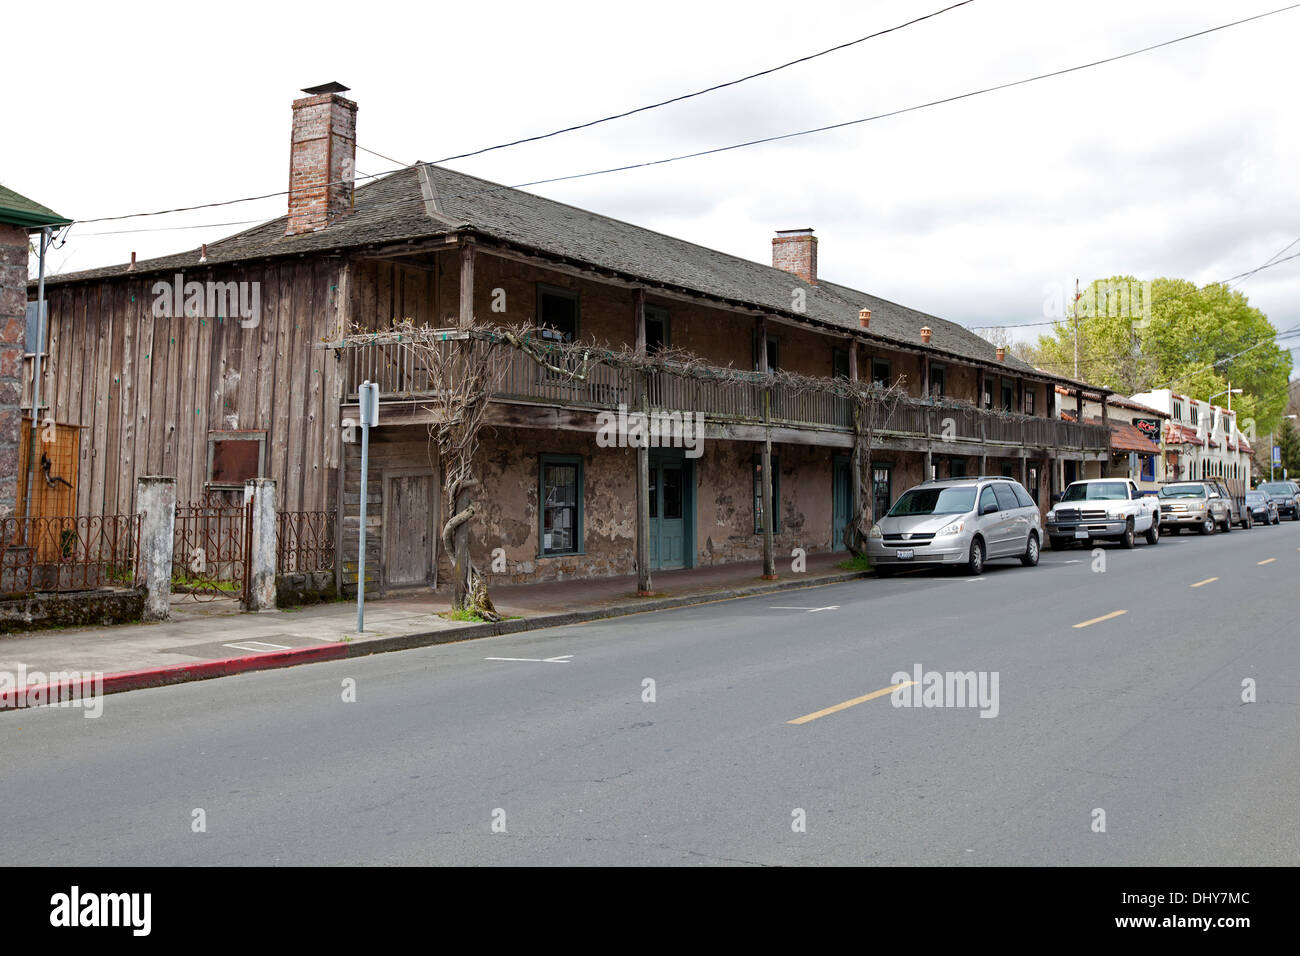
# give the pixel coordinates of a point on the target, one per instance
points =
(261, 549)
(155, 498)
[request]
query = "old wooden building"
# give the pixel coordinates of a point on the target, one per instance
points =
(216, 364)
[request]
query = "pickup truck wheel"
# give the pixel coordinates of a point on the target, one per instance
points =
(1126, 539)
(1247, 522)
(1058, 543)
(975, 565)
(1030, 558)
(1227, 522)
(1153, 533)
(1207, 526)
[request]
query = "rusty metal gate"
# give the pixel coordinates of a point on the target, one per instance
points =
(210, 548)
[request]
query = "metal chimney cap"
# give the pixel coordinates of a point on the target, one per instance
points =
(334, 87)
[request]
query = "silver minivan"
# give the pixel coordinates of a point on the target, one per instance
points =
(957, 522)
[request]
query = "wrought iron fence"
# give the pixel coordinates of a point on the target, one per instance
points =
(210, 547)
(304, 542)
(74, 553)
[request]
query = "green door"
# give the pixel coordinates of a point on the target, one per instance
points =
(670, 505)
(841, 501)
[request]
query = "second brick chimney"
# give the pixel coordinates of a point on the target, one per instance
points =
(322, 158)
(795, 251)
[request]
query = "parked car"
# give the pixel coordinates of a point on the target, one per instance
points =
(957, 522)
(1192, 504)
(1263, 507)
(1107, 509)
(1238, 513)
(1287, 496)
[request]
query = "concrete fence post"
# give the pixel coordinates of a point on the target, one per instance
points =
(261, 549)
(155, 502)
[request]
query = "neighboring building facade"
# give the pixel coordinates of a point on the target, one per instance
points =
(1202, 440)
(19, 218)
(1137, 439)
(248, 387)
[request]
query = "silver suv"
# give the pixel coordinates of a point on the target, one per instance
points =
(1192, 504)
(957, 522)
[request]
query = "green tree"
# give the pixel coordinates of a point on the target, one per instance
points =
(1289, 441)
(1134, 337)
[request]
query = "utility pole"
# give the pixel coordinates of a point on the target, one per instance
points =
(1077, 296)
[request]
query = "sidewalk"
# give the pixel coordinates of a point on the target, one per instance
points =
(209, 638)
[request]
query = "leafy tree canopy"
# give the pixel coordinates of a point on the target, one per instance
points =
(1135, 336)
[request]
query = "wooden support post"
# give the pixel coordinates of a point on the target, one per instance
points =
(925, 396)
(466, 284)
(638, 319)
(644, 584)
(769, 555)
(855, 502)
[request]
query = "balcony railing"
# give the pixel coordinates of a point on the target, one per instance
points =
(728, 399)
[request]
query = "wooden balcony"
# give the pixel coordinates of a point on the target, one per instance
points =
(733, 408)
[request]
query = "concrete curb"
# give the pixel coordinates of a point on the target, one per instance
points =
(206, 670)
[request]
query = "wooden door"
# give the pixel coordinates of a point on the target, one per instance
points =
(410, 536)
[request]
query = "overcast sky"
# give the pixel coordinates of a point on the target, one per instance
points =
(1180, 162)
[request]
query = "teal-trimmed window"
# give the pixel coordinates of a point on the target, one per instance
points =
(758, 495)
(881, 490)
(557, 312)
(560, 505)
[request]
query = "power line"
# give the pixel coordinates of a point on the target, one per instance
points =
(709, 89)
(575, 127)
(767, 139)
(1167, 298)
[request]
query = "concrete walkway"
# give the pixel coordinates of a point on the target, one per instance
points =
(216, 630)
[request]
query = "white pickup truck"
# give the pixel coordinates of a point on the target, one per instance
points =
(1111, 509)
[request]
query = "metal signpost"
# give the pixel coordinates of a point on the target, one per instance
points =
(368, 399)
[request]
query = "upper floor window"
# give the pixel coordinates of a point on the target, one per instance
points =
(840, 363)
(1178, 411)
(1029, 401)
(938, 376)
(881, 373)
(1008, 395)
(656, 328)
(557, 312)
(1195, 415)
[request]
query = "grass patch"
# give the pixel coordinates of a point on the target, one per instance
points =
(464, 615)
(859, 563)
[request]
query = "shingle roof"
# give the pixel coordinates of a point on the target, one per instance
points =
(393, 209)
(17, 210)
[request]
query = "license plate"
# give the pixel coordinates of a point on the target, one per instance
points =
(1081, 534)
(905, 554)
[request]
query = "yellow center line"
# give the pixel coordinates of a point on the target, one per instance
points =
(1266, 561)
(1098, 620)
(850, 703)
(1206, 581)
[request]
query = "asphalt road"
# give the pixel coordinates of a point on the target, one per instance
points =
(1139, 715)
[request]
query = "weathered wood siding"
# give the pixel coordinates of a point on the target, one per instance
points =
(147, 390)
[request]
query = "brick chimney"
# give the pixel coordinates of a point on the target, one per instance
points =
(322, 158)
(795, 251)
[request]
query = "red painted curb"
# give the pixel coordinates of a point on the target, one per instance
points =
(174, 674)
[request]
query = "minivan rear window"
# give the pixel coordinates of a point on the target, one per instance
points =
(1006, 497)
